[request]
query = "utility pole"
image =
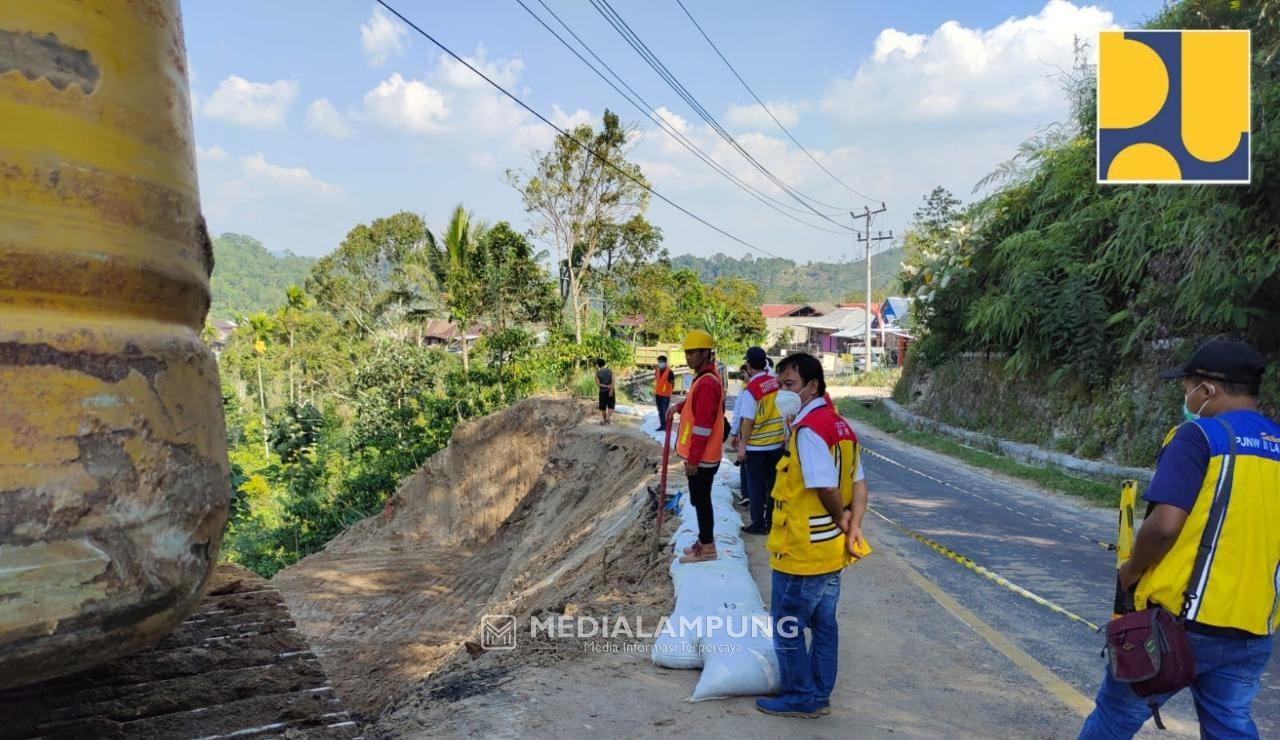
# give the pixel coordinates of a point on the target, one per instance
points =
(866, 237)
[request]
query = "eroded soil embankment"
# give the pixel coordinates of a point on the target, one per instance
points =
(531, 510)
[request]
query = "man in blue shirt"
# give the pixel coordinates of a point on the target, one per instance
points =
(1228, 451)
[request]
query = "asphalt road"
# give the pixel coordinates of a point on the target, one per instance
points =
(1042, 542)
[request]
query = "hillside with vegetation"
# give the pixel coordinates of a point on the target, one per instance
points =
(335, 393)
(1044, 308)
(786, 281)
(248, 278)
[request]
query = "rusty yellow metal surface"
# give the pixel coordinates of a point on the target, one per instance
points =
(113, 465)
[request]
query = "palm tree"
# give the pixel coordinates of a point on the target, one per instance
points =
(456, 266)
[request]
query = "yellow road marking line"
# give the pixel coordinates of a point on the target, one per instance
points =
(987, 573)
(1063, 691)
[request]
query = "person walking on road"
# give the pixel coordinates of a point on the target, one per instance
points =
(700, 439)
(608, 399)
(1230, 452)
(663, 384)
(758, 437)
(820, 498)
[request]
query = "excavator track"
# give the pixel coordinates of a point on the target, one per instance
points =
(236, 667)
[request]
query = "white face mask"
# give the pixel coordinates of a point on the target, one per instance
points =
(662, 365)
(788, 403)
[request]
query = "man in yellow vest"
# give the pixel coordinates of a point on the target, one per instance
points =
(819, 501)
(700, 438)
(758, 438)
(1226, 451)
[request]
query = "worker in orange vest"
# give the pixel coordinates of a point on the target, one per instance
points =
(700, 439)
(663, 383)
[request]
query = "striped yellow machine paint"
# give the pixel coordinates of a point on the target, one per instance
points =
(113, 467)
(1124, 535)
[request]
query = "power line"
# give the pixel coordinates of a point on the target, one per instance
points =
(603, 160)
(661, 121)
(620, 25)
(643, 105)
(766, 108)
(640, 47)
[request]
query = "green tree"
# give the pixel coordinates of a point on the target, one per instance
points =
(624, 249)
(357, 282)
(575, 196)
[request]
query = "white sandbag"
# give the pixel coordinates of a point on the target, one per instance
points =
(738, 660)
(675, 646)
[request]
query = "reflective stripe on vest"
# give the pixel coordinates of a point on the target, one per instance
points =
(768, 429)
(804, 541)
(707, 382)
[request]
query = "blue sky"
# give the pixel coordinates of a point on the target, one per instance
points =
(312, 116)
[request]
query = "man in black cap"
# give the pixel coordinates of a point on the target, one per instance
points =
(1226, 451)
(758, 438)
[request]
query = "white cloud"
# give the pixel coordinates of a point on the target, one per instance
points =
(211, 154)
(957, 72)
(323, 117)
(892, 40)
(382, 36)
(579, 117)
(255, 104)
(256, 169)
(505, 72)
(410, 105)
(753, 116)
(453, 100)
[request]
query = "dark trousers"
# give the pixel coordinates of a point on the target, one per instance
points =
(663, 402)
(700, 497)
(762, 471)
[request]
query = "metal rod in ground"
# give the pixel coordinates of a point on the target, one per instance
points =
(662, 481)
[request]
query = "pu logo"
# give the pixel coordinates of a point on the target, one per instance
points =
(1173, 107)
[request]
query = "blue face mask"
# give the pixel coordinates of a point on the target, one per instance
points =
(1188, 414)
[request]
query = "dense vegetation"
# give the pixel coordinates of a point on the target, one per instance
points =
(1057, 273)
(338, 393)
(247, 278)
(785, 281)
(1045, 308)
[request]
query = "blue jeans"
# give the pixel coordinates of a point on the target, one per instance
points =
(662, 403)
(1228, 676)
(761, 472)
(807, 674)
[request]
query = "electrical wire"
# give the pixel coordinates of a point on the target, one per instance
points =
(636, 43)
(766, 108)
(661, 121)
(603, 160)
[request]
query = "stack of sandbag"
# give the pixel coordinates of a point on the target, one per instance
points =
(719, 623)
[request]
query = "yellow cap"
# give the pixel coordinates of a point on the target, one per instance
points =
(698, 339)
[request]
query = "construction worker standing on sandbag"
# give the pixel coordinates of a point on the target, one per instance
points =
(819, 501)
(758, 439)
(700, 438)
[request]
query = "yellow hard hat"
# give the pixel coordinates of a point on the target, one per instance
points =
(698, 339)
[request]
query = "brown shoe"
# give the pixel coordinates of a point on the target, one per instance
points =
(693, 549)
(706, 553)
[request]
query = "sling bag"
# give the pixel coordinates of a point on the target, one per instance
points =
(1149, 649)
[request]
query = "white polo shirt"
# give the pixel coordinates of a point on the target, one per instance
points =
(816, 462)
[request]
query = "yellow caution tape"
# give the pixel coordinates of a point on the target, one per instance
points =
(1056, 525)
(987, 573)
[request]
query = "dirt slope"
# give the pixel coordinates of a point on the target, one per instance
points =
(532, 510)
